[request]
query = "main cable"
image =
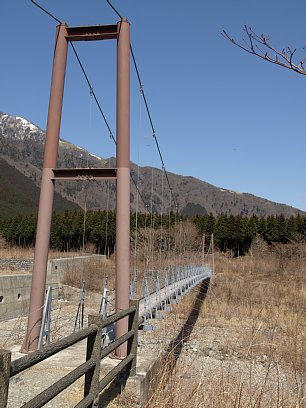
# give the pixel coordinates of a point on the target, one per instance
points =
(115, 10)
(93, 93)
(103, 115)
(148, 111)
(152, 125)
(83, 70)
(46, 11)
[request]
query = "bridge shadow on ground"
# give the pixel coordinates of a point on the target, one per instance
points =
(172, 352)
(174, 349)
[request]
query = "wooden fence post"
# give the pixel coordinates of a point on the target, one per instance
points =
(5, 365)
(133, 342)
(94, 343)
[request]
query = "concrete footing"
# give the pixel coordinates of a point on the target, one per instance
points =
(142, 384)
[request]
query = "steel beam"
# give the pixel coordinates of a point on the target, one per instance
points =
(85, 174)
(92, 33)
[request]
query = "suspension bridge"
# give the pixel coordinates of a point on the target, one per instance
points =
(156, 284)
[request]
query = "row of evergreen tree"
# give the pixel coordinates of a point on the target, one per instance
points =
(236, 233)
(71, 230)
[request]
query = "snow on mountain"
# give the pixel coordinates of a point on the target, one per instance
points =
(26, 124)
(230, 191)
(96, 157)
(19, 128)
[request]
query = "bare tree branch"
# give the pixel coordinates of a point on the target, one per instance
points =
(259, 45)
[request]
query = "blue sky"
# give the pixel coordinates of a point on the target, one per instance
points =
(220, 114)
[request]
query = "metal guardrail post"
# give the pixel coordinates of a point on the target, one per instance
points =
(94, 341)
(79, 319)
(133, 286)
(45, 328)
(147, 304)
(167, 304)
(159, 304)
(178, 287)
(5, 365)
(135, 283)
(133, 342)
(173, 298)
(103, 304)
(103, 314)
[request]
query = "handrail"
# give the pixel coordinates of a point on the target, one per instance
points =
(60, 385)
(117, 316)
(91, 367)
(105, 381)
(22, 363)
(30, 360)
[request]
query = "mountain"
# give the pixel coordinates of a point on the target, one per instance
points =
(20, 195)
(21, 150)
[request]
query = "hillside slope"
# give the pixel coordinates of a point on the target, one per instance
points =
(22, 144)
(19, 194)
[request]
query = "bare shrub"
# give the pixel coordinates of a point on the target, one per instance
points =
(93, 273)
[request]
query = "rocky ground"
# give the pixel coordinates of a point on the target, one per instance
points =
(230, 360)
(205, 362)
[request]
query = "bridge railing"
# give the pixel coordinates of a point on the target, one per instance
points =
(176, 282)
(93, 386)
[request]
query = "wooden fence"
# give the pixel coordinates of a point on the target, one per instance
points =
(93, 386)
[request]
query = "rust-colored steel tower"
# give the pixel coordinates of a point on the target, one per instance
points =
(64, 35)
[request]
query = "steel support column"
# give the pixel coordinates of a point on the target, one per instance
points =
(123, 180)
(47, 192)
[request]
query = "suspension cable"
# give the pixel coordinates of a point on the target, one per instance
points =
(107, 214)
(161, 219)
(151, 123)
(85, 186)
(147, 108)
(83, 71)
(137, 183)
(152, 219)
(84, 189)
(93, 93)
(169, 231)
(103, 115)
(97, 101)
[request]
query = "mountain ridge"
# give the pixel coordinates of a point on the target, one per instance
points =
(22, 145)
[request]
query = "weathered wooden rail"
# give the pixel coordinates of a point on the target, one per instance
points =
(93, 386)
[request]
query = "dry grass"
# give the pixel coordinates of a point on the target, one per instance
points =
(28, 253)
(254, 311)
(269, 302)
(93, 273)
(256, 305)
